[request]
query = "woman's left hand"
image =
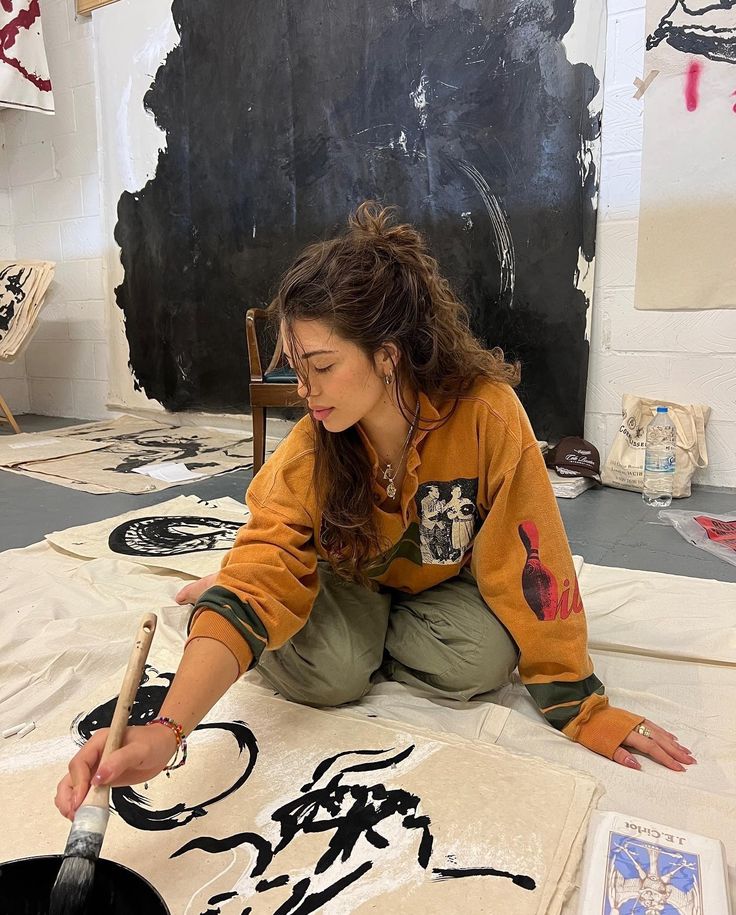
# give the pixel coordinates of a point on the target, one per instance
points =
(661, 746)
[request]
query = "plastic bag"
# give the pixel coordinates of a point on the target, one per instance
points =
(714, 533)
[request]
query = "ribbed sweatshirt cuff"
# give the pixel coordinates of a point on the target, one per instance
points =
(211, 625)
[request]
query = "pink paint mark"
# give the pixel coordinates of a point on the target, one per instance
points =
(734, 107)
(9, 32)
(692, 83)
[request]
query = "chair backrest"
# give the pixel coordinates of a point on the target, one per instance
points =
(253, 317)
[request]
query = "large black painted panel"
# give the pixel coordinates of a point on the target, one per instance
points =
(281, 116)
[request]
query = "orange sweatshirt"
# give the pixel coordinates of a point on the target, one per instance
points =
(475, 492)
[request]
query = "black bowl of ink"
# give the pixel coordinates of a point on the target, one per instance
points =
(25, 889)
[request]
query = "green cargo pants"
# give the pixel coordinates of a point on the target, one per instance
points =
(444, 640)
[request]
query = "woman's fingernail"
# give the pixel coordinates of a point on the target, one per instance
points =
(631, 763)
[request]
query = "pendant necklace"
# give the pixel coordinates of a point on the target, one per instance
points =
(389, 473)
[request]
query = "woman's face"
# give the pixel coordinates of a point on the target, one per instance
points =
(344, 385)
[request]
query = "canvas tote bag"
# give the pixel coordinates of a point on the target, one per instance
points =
(624, 467)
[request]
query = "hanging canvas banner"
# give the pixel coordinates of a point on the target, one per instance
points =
(24, 72)
(687, 221)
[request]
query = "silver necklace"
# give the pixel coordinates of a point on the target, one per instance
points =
(389, 473)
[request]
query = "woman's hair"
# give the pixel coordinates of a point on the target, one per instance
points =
(374, 284)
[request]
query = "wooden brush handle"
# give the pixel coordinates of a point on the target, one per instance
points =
(99, 794)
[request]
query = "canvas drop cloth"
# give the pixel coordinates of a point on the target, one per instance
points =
(67, 631)
(107, 456)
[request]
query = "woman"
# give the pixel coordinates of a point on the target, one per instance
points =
(337, 573)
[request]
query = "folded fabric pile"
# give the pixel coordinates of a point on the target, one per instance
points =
(23, 285)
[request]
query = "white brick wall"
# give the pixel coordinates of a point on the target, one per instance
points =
(682, 356)
(50, 166)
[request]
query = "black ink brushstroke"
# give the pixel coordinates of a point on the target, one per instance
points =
(167, 535)
(521, 880)
(697, 31)
(315, 901)
(264, 885)
(349, 811)
(221, 897)
(264, 852)
(297, 894)
(308, 122)
(327, 763)
(133, 807)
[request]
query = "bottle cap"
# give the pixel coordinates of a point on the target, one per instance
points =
(662, 410)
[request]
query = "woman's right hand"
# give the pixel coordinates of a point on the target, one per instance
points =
(145, 752)
(192, 592)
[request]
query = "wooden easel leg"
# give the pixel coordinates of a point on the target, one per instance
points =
(8, 414)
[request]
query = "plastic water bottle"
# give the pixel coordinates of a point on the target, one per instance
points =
(659, 460)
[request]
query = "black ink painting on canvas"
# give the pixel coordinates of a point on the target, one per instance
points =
(349, 803)
(479, 120)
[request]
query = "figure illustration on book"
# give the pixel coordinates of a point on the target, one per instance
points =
(172, 535)
(448, 519)
(540, 585)
(648, 879)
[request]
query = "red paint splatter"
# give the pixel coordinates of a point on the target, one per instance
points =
(8, 34)
(734, 107)
(692, 82)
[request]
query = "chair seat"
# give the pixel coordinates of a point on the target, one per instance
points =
(281, 375)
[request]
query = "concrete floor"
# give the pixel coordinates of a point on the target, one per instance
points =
(606, 526)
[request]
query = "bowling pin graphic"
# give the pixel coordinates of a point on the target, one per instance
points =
(537, 582)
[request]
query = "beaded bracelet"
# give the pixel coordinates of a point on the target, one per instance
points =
(181, 742)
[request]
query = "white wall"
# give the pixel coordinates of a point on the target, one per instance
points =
(688, 357)
(50, 165)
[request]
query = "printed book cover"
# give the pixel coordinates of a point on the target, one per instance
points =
(636, 867)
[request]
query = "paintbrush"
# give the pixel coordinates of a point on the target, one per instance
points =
(77, 872)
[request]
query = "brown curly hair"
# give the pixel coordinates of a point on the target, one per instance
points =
(374, 284)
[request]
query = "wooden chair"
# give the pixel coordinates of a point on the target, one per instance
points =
(276, 387)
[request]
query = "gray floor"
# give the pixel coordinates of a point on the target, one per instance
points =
(605, 526)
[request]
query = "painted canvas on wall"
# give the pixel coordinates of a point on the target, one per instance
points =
(24, 71)
(479, 120)
(688, 197)
(305, 811)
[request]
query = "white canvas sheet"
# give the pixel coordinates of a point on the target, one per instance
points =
(438, 807)
(129, 444)
(56, 641)
(688, 198)
(187, 534)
